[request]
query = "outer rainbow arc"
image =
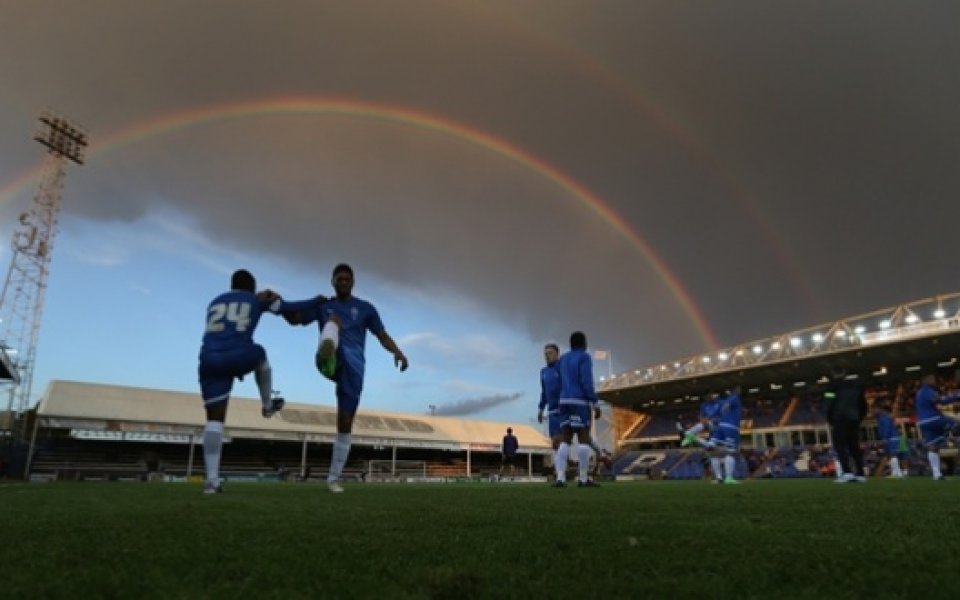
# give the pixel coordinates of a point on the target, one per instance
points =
(670, 122)
(188, 118)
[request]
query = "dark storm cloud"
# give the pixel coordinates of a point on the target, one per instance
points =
(471, 406)
(790, 162)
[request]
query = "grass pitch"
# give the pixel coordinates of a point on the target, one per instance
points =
(762, 539)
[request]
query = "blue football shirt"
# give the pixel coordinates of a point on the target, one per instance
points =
(232, 318)
(550, 387)
(357, 317)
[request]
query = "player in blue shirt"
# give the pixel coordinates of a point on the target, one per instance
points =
(725, 437)
(578, 406)
(709, 412)
(353, 318)
(888, 432)
(550, 400)
(709, 420)
(933, 424)
(550, 396)
(227, 352)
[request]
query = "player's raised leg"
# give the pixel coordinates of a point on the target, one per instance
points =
(326, 359)
(271, 402)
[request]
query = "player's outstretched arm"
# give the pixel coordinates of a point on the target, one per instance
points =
(269, 300)
(267, 296)
(951, 397)
(302, 312)
(391, 346)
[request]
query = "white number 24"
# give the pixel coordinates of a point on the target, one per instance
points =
(237, 313)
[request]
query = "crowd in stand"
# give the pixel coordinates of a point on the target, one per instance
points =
(769, 413)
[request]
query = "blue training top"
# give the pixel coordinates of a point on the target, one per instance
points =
(886, 426)
(550, 387)
(730, 411)
(357, 318)
(710, 409)
(927, 403)
(231, 319)
(576, 377)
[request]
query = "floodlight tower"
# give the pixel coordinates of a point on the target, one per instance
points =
(21, 302)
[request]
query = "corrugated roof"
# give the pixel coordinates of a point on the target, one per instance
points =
(111, 407)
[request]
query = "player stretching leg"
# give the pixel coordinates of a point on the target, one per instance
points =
(934, 425)
(709, 411)
(724, 441)
(354, 318)
(227, 352)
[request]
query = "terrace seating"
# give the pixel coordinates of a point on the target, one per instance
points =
(808, 411)
(662, 425)
(689, 466)
(766, 412)
(626, 461)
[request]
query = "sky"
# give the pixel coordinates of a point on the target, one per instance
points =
(668, 177)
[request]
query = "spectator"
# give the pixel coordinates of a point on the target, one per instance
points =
(508, 452)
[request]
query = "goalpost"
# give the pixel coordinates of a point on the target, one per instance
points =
(386, 470)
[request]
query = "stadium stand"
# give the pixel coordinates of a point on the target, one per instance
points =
(784, 430)
(89, 431)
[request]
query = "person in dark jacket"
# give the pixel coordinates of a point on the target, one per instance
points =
(846, 407)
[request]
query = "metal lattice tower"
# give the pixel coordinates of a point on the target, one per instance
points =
(21, 302)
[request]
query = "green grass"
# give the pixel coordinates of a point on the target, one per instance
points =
(772, 540)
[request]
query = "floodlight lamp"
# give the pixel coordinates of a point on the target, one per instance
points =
(722, 356)
(817, 338)
(840, 333)
(795, 342)
(911, 319)
(885, 324)
(939, 313)
(758, 349)
(859, 329)
(775, 346)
